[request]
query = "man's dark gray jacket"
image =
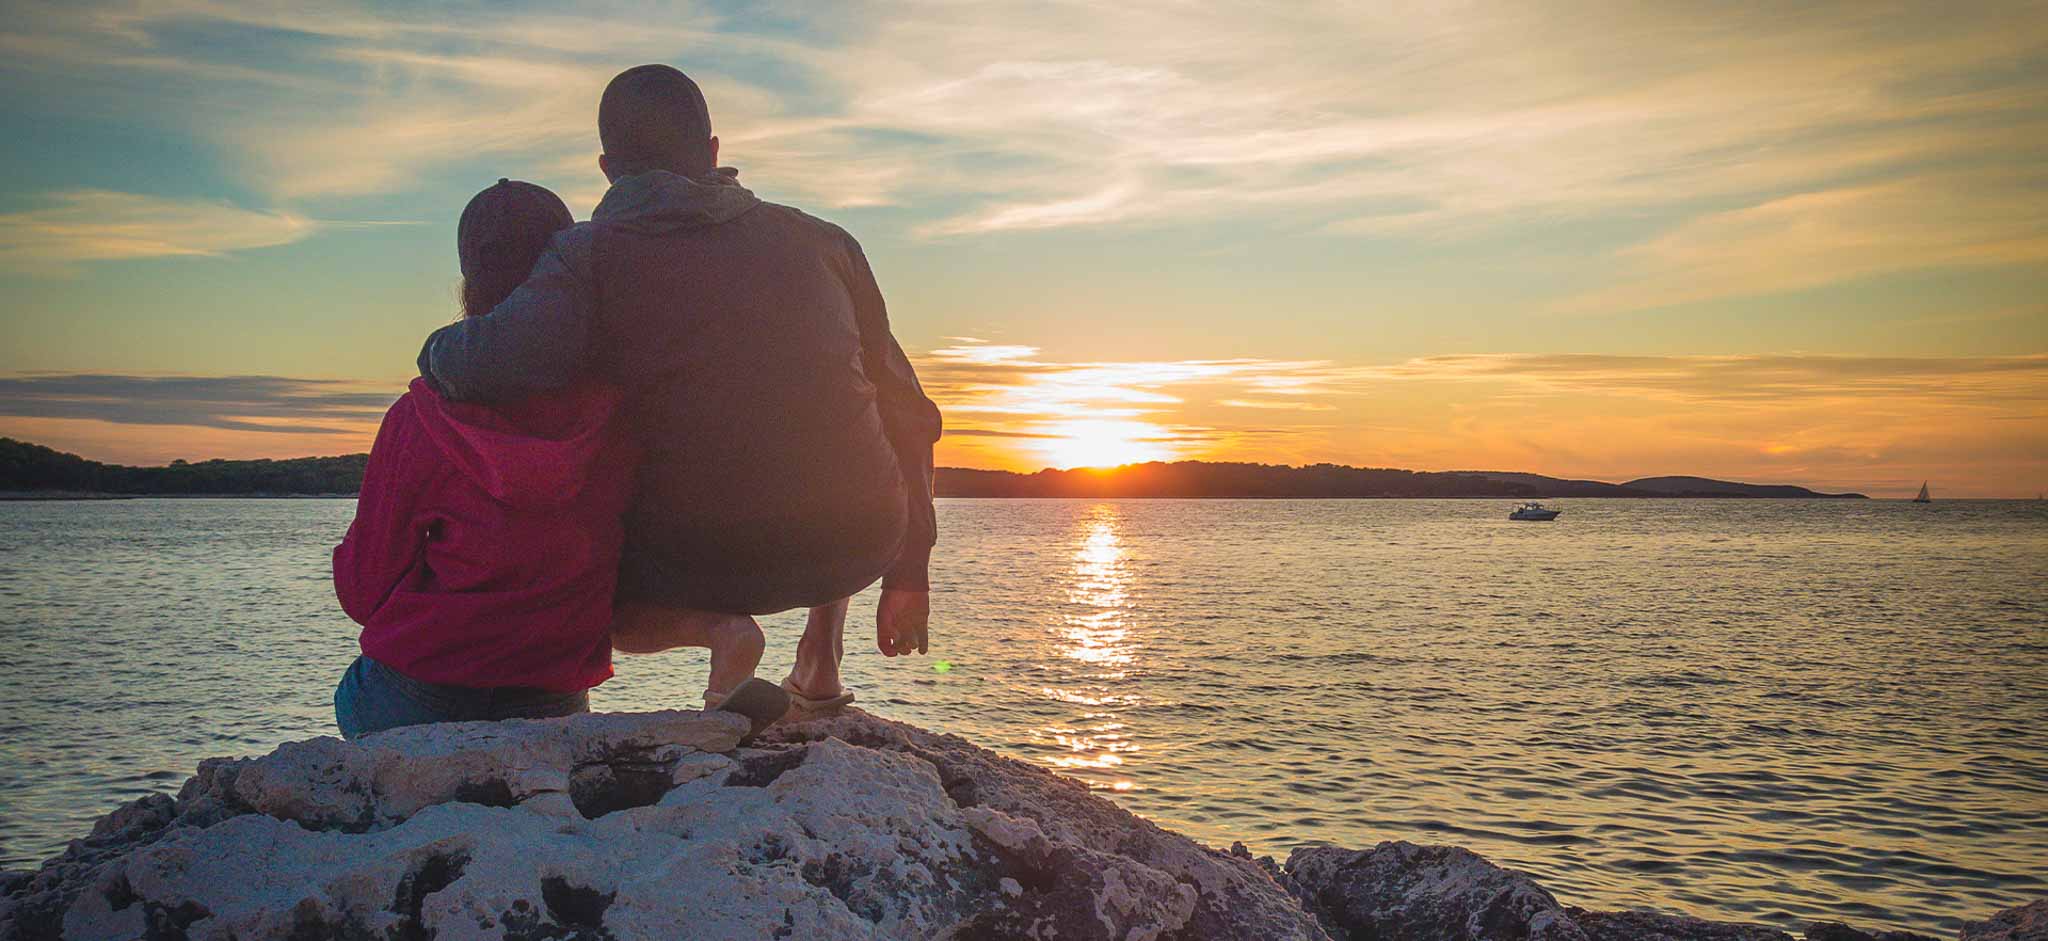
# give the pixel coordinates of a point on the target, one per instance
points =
(788, 445)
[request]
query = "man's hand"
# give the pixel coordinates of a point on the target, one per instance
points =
(902, 622)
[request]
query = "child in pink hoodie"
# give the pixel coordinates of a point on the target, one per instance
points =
(485, 550)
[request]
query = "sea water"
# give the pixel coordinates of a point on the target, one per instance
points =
(1766, 711)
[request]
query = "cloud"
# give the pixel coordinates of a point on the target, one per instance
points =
(340, 99)
(426, 111)
(1105, 205)
(994, 433)
(1846, 422)
(1012, 115)
(1277, 405)
(1014, 385)
(1094, 413)
(1379, 120)
(1975, 424)
(264, 404)
(1810, 380)
(98, 225)
(1675, 153)
(1011, 380)
(1809, 239)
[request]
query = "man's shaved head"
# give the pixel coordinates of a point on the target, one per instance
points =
(653, 117)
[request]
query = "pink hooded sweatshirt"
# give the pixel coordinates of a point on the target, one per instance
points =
(485, 547)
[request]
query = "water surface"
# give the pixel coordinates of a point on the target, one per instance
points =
(1753, 710)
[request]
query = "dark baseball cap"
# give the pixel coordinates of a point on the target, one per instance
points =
(507, 226)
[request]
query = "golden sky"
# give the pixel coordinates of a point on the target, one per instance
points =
(1766, 243)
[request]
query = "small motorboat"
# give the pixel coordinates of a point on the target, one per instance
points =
(1533, 512)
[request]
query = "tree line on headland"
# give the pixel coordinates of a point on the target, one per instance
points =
(1212, 479)
(33, 469)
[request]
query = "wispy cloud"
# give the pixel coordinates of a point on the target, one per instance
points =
(1799, 241)
(1847, 422)
(1396, 120)
(263, 404)
(1840, 421)
(1278, 404)
(1809, 380)
(1070, 414)
(97, 225)
(1015, 384)
(1014, 379)
(1001, 116)
(1661, 154)
(340, 99)
(1979, 424)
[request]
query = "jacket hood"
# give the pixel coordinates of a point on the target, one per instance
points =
(536, 452)
(660, 201)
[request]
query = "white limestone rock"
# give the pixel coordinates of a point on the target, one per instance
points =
(658, 825)
(639, 826)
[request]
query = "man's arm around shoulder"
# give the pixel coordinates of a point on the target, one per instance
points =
(537, 340)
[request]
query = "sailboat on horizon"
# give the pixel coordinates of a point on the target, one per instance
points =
(1923, 497)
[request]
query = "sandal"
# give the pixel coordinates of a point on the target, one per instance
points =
(760, 701)
(811, 706)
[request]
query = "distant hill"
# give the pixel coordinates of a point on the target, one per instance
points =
(32, 467)
(1208, 479)
(1706, 487)
(1541, 486)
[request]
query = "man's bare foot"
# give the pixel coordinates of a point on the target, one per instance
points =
(816, 674)
(736, 644)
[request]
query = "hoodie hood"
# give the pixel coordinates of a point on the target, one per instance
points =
(536, 452)
(659, 201)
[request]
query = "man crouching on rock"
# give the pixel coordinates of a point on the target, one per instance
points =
(787, 444)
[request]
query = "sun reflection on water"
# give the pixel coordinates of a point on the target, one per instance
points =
(1094, 631)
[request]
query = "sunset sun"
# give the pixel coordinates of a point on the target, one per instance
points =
(1096, 443)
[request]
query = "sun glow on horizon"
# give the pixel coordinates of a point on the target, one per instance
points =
(1102, 444)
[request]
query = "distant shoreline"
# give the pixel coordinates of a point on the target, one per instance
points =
(34, 472)
(69, 496)
(74, 497)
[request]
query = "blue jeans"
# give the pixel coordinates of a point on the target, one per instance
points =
(373, 697)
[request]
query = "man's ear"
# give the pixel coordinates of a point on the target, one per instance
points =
(604, 166)
(714, 150)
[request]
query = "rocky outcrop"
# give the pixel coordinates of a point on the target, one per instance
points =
(639, 826)
(1401, 891)
(1836, 931)
(1405, 892)
(661, 825)
(1231, 896)
(1649, 926)
(2025, 923)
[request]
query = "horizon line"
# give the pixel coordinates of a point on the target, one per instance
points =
(1043, 470)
